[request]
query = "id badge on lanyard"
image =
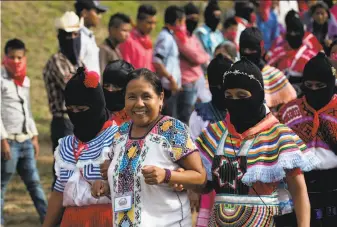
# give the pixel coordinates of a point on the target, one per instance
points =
(123, 202)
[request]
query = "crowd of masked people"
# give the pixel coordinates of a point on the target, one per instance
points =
(235, 119)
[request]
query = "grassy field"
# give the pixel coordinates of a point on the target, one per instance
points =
(33, 22)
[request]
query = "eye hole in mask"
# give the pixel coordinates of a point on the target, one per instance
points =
(314, 85)
(237, 93)
(77, 109)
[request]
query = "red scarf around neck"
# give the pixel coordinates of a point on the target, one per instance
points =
(17, 70)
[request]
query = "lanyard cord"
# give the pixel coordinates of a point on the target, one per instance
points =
(236, 157)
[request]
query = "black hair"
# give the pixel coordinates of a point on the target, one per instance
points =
(118, 19)
(14, 44)
(146, 10)
(173, 13)
(319, 5)
(78, 8)
(149, 76)
(229, 22)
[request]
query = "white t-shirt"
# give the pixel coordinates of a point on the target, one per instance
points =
(89, 53)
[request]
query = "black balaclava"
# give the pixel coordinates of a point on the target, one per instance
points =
(215, 70)
(69, 47)
(211, 20)
(83, 89)
(252, 39)
(319, 68)
(116, 73)
(295, 29)
(245, 113)
(244, 10)
(191, 24)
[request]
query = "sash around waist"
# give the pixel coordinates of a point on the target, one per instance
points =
(249, 200)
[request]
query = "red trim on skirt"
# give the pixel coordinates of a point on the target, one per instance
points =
(88, 216)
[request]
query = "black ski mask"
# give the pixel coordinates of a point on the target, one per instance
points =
(244, 9)
(216, 68)
(191, 24)
(251, 38)
(295, 30)
(83, 89)
(245, 113)
(70, 47)
(116, 73)
(211, 20)
(319, 69)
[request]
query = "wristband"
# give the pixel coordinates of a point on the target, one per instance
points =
(167, 176)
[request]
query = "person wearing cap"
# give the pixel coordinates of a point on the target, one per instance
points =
(209, 34)
(90, 11)
(78, 157)
(313, 118)
(138, 48)
(58, 70)
(277, 88)
(323, 24)
(292, 56)
(192, 57)
(247, 156)
(119, 30)
(19, 135)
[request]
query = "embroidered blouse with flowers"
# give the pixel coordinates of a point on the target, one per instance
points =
(77, 166)
(165, 144)
(246, 169)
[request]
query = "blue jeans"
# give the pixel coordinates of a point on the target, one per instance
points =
(23, 161)
(186, 101)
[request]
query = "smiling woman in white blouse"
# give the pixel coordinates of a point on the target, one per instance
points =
(145, 154)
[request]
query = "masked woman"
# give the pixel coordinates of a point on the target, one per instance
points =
(314, 118)
(145, 154)
(277, 88)
(114, 83)
(249, 153)
(77, 158)
(208, 113)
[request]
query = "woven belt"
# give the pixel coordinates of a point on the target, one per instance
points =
(19, 137)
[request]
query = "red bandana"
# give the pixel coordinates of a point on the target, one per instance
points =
(17, 70)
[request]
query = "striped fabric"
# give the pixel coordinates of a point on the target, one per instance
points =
(277, 88)
(273, 150)
(290, 61)
(89, 160)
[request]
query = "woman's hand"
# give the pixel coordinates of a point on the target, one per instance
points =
(153, 175)
(100, 188)
(178, 187)
(104, 169)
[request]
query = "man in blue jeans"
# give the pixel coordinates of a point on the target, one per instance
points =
(19, 141)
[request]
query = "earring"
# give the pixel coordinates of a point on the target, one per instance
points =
(160, 108)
